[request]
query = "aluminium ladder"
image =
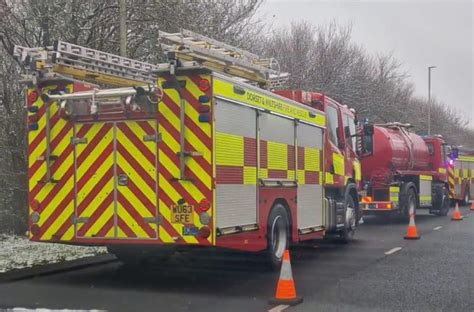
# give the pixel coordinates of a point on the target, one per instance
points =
(87, 64)
(224, 58)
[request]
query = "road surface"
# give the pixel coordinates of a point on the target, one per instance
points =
(380, 271)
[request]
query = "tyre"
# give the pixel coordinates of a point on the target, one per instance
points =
(465, 201)
(443, 206)
(410, 203)
(408, 198)
(278, 235)
(350, 225)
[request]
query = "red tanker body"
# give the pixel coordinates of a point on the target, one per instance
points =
(395, 150)
(402, 171)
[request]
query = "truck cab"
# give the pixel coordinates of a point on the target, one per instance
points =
(341, 163)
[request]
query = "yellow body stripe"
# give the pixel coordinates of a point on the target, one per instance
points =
(229, 149)
(466, 158)
(273, 103)
(426, 178)
(277, 156)
(425, 198)
(338, 162)
(329, 178)
(311, 159)
(357, 170)
(250, 175)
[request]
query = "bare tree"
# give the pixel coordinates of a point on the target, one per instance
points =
(324, 59)
(95, 24)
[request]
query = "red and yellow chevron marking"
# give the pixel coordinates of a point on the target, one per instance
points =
(106, 208)
(198, 167)
(55, 200)
(451, 180)
(137, 159)
(95, 180)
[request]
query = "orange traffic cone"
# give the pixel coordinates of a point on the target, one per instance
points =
(472, 206)
(286, 292)
(457, 214)
(412, 233)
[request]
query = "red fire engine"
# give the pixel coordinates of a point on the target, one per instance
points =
(183, 154)
(462, 176)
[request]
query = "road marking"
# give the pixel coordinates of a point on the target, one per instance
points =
(279, 308)
(437, 228)
(393, 250)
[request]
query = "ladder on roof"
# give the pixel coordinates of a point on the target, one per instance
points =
(86, 64)
(221, 57)
(65, 60)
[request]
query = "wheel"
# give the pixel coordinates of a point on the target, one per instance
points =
(410, 204)
(350, 225)
(466, 196)
(278, 235)
(443, 204)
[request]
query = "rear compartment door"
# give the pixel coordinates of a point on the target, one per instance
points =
(136, 182)
(94, 180)
(116, 180)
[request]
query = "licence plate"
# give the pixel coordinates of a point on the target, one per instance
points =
(182, 214)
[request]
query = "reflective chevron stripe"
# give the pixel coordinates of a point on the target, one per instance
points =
(451, 178)
(136, 159)
(88, 201)
(198, 169)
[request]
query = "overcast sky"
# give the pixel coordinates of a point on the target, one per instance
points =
(420, 33)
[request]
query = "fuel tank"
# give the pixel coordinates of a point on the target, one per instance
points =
(394, 149)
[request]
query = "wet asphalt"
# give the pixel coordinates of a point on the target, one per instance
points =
(435, 273)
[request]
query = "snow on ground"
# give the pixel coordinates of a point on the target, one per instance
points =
(18, 252)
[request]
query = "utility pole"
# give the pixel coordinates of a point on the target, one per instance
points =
(429, 98)
(123, 27)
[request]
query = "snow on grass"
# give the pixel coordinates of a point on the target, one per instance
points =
(18, 252)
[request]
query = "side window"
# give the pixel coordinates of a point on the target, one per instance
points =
(349, 130)
(430, 148)
(446, 152)
(332, 123)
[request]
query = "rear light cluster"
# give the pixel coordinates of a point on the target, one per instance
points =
(366, 199)
(34, 217)
(384, 205)
(204, 232)
(204, 217)
(205, 108)
(31, 98)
